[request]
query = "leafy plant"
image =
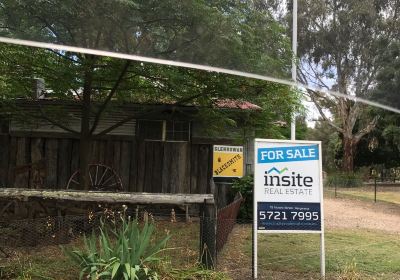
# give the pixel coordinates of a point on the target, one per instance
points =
(244, 185)
(124, 252)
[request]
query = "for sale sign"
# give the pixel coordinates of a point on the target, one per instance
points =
(288, 185)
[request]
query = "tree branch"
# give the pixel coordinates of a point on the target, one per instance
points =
(55, 123)
(109, 96)
(129, 118)
(152, 111)
(323, 115)
(64, 56)
(370, 126)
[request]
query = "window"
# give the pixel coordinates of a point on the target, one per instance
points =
(158, 130)
(150, 130)
(177, 131)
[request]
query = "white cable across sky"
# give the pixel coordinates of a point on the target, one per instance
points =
(44, 45)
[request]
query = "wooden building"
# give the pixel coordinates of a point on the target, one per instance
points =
(165, 152)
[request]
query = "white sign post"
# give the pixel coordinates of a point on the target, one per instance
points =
(288, 196)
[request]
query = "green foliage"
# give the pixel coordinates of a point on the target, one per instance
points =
(245, 185)
(231, 34)
(344, 180)
(330, 141)
(65, 80)
(301, 128)
(338, 48)
(381, 147)
(388, 78)
(234, 34)
(124, 252)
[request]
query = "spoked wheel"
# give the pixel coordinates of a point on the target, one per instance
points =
(101, 178)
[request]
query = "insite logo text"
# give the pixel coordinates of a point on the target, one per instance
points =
(273, 178)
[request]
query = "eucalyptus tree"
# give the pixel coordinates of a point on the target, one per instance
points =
(341, 45)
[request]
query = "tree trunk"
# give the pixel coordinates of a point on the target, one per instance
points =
(348, 154)
(85, 137)
(84, 161)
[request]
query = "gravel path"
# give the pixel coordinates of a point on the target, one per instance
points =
(343, 213)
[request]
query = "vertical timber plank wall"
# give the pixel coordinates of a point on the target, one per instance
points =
(22, 174)
(204, 168)
(74, 155)
(133, 169)
(125, 163)
(12, 161)
(176, 167)
(51, 156)
(141, 164)
(4, 159)
(64, 162)
(158, 161)
(37, 156)
(144, 166)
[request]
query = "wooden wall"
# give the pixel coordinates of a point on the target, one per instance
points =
(165, 167)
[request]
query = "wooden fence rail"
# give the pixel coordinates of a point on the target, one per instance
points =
(108, 197)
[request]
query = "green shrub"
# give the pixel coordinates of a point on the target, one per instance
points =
(124, 252)
(245, 185)
(344, 180)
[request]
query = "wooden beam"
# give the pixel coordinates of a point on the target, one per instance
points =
(108, 197)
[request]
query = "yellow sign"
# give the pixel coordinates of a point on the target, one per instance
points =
(228, 161)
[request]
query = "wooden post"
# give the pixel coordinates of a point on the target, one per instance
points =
(208, 235)
(187, 213)
(335, 190)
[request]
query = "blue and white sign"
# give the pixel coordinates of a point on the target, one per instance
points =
(288, 186)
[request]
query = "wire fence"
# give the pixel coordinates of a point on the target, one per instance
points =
(26, 244)
(38, 243)
(374, 189)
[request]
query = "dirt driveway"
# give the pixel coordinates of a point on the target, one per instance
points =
(346, 213)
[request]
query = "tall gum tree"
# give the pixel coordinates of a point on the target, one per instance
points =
(340, 47)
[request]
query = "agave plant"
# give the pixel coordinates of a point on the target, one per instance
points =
(124, 252)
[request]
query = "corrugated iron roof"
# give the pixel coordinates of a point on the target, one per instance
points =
(236, 104)
(221, 103)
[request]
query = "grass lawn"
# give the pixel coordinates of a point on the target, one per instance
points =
(354, 254)
(383, 194)
(373, 253)
(366, 254)
(46, 263)
(49, 262)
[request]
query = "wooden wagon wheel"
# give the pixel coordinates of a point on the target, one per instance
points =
(102, 178)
